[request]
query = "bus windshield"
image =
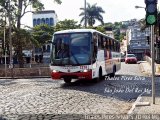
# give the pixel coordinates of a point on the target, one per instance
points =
(71, 49)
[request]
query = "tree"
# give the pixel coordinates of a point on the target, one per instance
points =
(109, 25)
(42, 34)
(66, 24)
(25, 42)
(93, 13)
(17, 9)
(98, 28)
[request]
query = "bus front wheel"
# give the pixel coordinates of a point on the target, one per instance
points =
(67, 80)
(100, 77)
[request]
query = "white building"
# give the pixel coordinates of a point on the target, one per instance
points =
(110, 34)
(44, 17)
(137, 40)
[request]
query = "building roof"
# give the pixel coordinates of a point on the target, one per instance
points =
(44, 12)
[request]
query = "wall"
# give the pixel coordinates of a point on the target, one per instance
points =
(157, 66)
(26, 72)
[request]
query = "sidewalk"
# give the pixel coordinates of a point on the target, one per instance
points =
(144, 104)
(146, 68)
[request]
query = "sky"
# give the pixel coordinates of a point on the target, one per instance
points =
(115, 10)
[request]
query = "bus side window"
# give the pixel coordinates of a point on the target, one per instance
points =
(104, 43)
(114, 46)
(107, 43)
(106, 46)
(95, 47)
(110, 45)
(117, 47)
(99, 41)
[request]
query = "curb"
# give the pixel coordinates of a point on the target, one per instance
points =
(134, 104)
(137, 103)
(157, 74)
(142, 68)
(143, 71)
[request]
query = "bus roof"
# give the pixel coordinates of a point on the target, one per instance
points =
(75, 30)
(81, 30)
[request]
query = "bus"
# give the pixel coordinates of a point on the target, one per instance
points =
(84, 54)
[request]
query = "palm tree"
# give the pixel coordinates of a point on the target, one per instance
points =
(93, 13)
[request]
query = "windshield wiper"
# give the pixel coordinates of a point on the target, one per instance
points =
(75, 58)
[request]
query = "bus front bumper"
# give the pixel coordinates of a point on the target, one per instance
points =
(75, 75)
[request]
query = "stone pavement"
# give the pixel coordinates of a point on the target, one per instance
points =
(144, 104)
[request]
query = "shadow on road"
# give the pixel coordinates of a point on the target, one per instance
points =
(5, 82)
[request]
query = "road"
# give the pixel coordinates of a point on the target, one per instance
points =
(43, 97)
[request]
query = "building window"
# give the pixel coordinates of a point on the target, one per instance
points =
(47, 21)
(51, 22)
(34, 22)
(43, 21)
(44, 48)
(38, 21)
(48, 48)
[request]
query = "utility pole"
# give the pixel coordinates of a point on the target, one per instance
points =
(152, 63)
(151, 19)
(85, 21)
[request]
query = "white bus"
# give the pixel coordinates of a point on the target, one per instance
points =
(83, 54)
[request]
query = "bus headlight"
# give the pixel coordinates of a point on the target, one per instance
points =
(86, 70)
(54, 71)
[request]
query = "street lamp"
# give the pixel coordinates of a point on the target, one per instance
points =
(139, 7)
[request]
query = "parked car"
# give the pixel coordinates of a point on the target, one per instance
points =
(123, 58)
(130, 58)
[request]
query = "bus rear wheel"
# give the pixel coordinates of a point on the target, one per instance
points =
(67, 80)
(114, 71)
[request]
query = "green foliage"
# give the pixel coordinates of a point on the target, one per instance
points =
(18, 8)
(110, 25)
(117, 26)
(98, 28)
(101, 29)
(37, 5)
(23, 38)
(121, 37)
(42, 34)
(66, 24)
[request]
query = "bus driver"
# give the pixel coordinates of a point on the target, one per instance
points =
(62, 52)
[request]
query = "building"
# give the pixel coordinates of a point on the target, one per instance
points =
(45, 17)
(109, 32)
(129, 22)
(48, 17)
(124, 46)
(137, 41)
